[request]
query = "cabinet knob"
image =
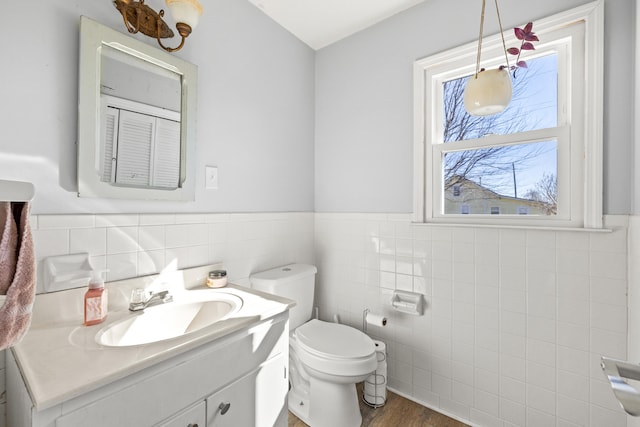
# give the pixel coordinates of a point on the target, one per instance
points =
(224, 407)
(192, 425)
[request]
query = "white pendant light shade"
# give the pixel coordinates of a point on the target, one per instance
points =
(488, 92)
(185, 11)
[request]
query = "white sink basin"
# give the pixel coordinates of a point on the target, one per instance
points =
(167, 321)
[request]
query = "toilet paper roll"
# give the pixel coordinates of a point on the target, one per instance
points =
(376, 320)
(375, 386)
(381, 350)
(375, 391)
(375, 394)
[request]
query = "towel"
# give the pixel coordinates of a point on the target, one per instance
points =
(17, 272)
(8, 244)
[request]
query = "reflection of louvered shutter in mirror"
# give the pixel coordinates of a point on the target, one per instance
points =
(135, 140)
(140, 145)
(166, 167)
(110, 129)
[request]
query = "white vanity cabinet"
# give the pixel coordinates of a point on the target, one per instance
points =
(250, 401)
(195, 416)
(238, 380)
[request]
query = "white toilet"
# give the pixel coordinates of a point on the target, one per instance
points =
(326, 360)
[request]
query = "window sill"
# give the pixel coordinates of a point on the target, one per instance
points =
(512, 227)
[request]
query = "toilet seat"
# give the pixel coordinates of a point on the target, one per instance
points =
(333, 340)
(334, 349)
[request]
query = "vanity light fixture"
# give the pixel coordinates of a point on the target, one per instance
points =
(138, 17)
(488, 91)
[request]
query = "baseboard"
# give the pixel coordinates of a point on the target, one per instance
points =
(440, 410)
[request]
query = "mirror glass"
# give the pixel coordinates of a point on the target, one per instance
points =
(136, 119)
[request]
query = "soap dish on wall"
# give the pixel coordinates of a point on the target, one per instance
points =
(66, 272)
(407, 302)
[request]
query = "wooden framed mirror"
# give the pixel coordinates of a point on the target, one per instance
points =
(136, 119)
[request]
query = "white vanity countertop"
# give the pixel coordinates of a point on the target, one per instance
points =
(60, 359)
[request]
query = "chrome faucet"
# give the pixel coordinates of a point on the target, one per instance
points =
(154, 298)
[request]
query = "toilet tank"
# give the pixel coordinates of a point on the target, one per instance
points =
(293, 281)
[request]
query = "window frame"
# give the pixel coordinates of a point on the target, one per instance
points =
(580, 120)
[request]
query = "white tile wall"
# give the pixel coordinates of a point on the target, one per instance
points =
(133, 245)
(516, 320)
(633, 350)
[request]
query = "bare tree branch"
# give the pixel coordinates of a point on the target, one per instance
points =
(489, 167)
(546, 192)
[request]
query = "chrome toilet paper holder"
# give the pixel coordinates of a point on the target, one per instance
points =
(374, 388)
(616, 371)
(364, 320)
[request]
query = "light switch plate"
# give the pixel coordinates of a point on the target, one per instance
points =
(211, 177)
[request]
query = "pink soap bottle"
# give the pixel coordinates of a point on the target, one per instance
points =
(95, 301)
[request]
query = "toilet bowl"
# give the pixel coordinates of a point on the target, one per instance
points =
(326, 360)
(330, 359)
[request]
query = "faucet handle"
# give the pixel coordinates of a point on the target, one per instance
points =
(137, 296)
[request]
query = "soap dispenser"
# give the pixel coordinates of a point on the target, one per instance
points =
(95, 300)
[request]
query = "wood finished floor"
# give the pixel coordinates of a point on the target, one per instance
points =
(396, 412)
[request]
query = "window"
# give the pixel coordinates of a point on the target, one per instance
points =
(537, 163)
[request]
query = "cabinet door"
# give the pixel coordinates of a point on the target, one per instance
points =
(258, 399)
(194, 416)
(233, 406)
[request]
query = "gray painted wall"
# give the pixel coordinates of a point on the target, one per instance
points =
(257, 118)
(364, 100)
(255, 108)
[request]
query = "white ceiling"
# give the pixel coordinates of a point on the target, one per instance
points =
(319, 23)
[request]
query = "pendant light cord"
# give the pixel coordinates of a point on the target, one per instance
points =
(484, 3)
(504, 44)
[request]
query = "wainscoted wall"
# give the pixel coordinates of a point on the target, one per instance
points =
(141, 244)
(516, 320)
(633, 340)
(515, 323)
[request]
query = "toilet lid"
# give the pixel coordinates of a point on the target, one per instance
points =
(334, 340)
